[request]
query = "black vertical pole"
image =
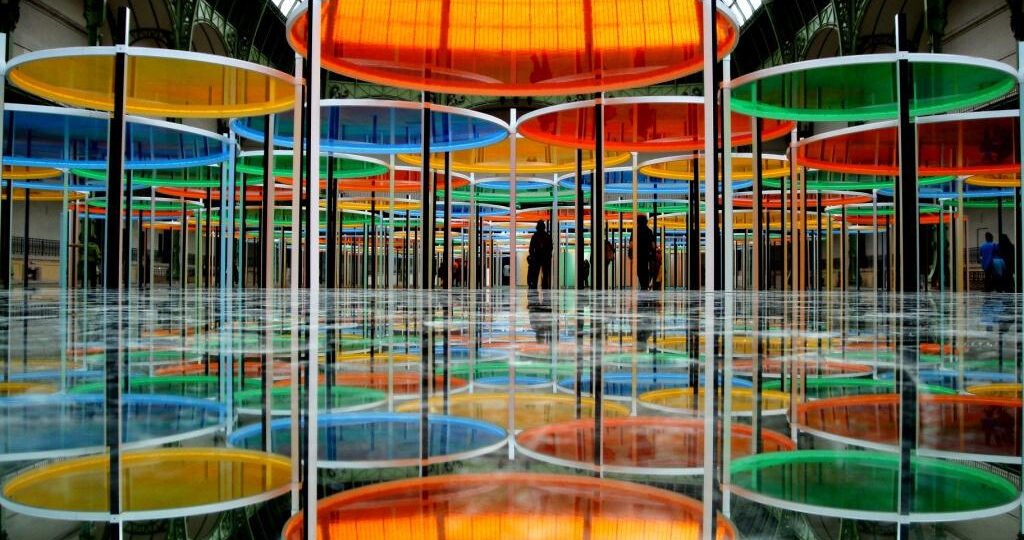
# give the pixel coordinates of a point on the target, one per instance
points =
(758, 273)
(115, 161)
(579, 220)
(597, 201)
(447, 257)
(183, 258)
(999, 220)
(208, 252)
(908, 212)
(112, 263)
(243, 236)
(126, 269)
(332, 226)
(426, 209)
(712, 173)
(267, 205)
(693, 230)
(372, 278)
(5, 235)
(25, 236)
(1019, 233)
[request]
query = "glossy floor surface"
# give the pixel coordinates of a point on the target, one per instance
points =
(835, 405)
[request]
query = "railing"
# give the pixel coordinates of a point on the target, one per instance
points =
(37, 247)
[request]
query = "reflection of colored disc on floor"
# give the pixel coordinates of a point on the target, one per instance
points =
(252, 369)
(343, 399)
(951, 378)
(495, 374)
(808, 368)
(42, 427)
(403, 384)
(508, 506)
(1007, 390)
(370, 440)
(686, 401)
(53, 377)
(195, 386)
(624, 385)
(156, 484)
(531, 410)
(563, 350)
(637, 445)
(142, 358)
(935, 348)
(951, 426)
(856, 484)
(817, 388)
(9, 389)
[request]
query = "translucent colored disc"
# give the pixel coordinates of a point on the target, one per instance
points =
(365, 440)
(55, 137)
(640, 445)
(37, 427)
(861, 88)
(531, 158)
(981, 145)
(950, 425)
(999, 390)
(343, 167)
(815, 388)
(402, 384)
(160, 82)
(380, 127)
(28, 173)
(512, 47)
(343, 398)
(9, 389)
(626, 384)
(640, 126)
(530, 409)
(157, 484)
(508, 506)
(995, 180)
(195, 386)
(742, 169)
(865, 485)
(688, 401)
(826, 180)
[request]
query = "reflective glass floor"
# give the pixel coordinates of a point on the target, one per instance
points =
(551, 414)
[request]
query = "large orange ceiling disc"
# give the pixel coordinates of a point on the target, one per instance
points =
(513, 47)
(639, 124)
(984, 143)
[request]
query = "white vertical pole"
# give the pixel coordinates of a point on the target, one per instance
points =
(729, 249)
(633, 277)
(391, 277)
(512, 206)
(296, 184)
(709, 147)
(63, 278)
(472, 258)
(312, 377)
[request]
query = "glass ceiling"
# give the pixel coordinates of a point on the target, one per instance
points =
(286, 5)
(742, 9)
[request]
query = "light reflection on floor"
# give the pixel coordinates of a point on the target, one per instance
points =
(510, 387)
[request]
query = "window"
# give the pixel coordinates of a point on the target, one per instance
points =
(744, 9)
(286, 5)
